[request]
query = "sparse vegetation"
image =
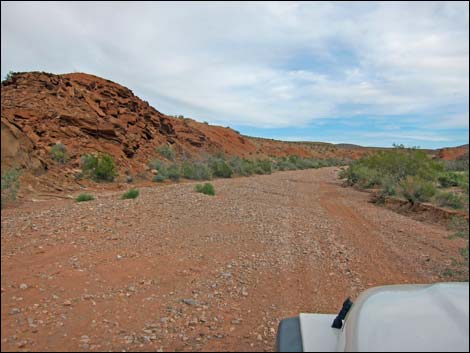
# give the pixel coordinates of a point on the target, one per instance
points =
(159, 178)
(408, 173)
(458, 165)
(158, 165)
(99, 167)
(415, 189)
(130, 194)
(167, 151)
(448, 179)
(207, 189)
(10, 186)
(174, 172)
(396, 165)
(84, 197)
(460, 226)
(220, 168)
(196, 171)
(59, 153)
(449, 199)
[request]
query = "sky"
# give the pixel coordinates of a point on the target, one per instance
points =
(367, 73)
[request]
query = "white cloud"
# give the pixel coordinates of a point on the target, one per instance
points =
(255, 64)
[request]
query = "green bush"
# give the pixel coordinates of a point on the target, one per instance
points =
(459, 165)
(9, 186)
(247, 167)
(99, 167)
(84, 197)
(220, 168)
(174, 172)
(408, 171)
(448, 179)
(285, 164)
(295, 162)
(167, 151)
(265, 166)
(459, 226)
(131, 194)
(449, 199)
(159, 178)
(196, 171)
(187, 170)
(59, 153)
(397, 164)
(157, 165)
(389, 188)
(207, 189)
(415, 189)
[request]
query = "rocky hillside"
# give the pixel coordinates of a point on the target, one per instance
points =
(453, 153)
(87, 114)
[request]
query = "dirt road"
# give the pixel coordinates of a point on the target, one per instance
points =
(177, 270)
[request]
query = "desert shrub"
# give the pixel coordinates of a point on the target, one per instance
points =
(258, 170)
(201, 172)
(207, 189)
(187, 170)
(458, 165)
(174, 172)
(389, 188)
(408, 171)
(159, 178)
(157, 165)
(9, 186)
(415, 189)
(236, 164)
(131, 194)
(220, 168)
(59, 153)
(295, 162)
(196, 171)
(464, 183)
(247, 167)
(265, 166)
(99, 167)
(398, 164)
(167, 151)
(362, 176)
(84, 197)
(448, 179)
(449, 199)
(285, 164)
(459, 226)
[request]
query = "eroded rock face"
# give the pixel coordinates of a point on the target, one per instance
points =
(453, 153)
(17, 149)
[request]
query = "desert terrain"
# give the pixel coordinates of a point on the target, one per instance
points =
(176, 270)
